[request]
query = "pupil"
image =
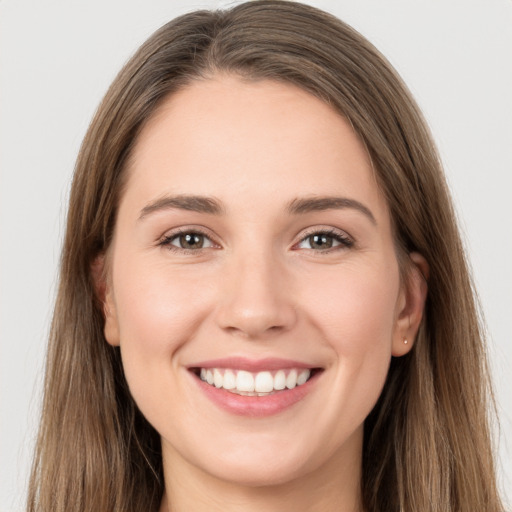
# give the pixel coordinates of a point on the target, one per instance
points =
(320, 241)
(191, 241)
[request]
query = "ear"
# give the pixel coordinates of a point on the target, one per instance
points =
(104, 293)
(411, 305)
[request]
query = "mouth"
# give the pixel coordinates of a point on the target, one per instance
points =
(255, 388)
(255, 384)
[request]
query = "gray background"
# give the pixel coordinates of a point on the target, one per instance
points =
(57, 58)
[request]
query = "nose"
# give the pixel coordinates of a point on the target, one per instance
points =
(256, 299)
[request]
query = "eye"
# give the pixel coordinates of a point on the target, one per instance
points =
(187, 240)
(323, 241)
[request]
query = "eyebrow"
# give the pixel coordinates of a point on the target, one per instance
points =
(212, 206)
(316, 204)
(201, 204)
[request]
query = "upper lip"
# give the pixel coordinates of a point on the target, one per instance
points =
(251, 365)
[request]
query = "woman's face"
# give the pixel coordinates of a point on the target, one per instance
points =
(252, 251)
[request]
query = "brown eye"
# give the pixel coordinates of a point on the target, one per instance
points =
(188, 241)
(324, 241)
(191, 241)
(320, 241)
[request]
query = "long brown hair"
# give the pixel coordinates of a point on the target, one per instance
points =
(427, 442)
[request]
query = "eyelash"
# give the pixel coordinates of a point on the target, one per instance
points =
(338, 236)
(166, 240)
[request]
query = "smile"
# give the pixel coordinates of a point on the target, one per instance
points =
(255, 387)
(262, 383)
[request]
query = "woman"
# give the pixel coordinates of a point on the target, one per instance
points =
(264, 302)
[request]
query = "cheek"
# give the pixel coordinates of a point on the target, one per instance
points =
(158, 312)
(357, 316)
(156, 304)
(356, 309)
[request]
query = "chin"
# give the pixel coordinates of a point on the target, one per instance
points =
(260, 475)
(262, 467)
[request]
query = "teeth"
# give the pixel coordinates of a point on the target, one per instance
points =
(264, 382)
(218, 380)
(302, 377)
(229, 380)
(280, 380)
(257, 384)
(291, 380)
(244, 381)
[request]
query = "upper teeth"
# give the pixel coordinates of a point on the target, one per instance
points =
(243, 382)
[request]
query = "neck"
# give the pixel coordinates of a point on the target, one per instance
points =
(333, 487)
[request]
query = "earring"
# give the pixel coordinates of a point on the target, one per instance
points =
(405, 341)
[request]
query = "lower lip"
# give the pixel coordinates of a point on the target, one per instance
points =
(256, 406)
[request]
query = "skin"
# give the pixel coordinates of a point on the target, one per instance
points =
(256, 289)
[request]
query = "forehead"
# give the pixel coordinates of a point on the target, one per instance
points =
(244, 140)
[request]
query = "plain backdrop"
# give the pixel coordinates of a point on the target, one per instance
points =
(57, 57)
